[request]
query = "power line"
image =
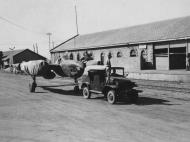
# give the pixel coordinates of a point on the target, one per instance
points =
(27, 43)
(19, 26)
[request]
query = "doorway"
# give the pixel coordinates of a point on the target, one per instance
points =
(177, 58)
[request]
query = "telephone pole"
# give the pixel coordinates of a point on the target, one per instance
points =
(76, 22)
(36, 48)
(49, 35)
(76, 19)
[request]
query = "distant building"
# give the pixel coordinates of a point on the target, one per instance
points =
(18, 56)
(162, 45)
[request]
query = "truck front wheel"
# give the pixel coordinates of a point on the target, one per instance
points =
(111, 96)
(86, 93)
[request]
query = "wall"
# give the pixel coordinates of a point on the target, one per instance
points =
(130, 63)
(135, 63)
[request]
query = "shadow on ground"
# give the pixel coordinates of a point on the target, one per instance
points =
(41, 92)
(124, 101)
(141, 101)
(153, 101)
(60, 91)
(57, 85)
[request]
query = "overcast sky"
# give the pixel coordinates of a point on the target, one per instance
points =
(26, 22)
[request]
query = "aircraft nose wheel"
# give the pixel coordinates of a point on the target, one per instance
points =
(32, 87)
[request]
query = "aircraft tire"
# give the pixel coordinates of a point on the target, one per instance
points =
(32, 87)
(86, 93)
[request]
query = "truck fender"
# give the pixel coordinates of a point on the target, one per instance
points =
(85, 84)
(107, 88)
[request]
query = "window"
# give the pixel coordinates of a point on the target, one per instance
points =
(119, 54)
(133, 53)
(144, 55)
(65, 55)
(78, 57)
(71, 56)
(102, 58)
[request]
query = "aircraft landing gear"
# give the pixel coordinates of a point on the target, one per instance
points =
(33, 86)
(76, 87)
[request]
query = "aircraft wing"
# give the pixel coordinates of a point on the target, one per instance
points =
(68, 68)
(37, 68)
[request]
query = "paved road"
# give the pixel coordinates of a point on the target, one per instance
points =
(56, 114)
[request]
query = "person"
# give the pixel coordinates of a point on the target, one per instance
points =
(188, 62)
(108, 71)
(59, 60)
(108, 61)
(114, 73)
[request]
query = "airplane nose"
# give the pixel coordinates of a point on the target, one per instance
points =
(78, 70)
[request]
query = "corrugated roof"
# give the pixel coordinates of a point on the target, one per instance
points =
(162, 30)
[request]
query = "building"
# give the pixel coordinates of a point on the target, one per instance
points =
(18, 56)
(163, 45)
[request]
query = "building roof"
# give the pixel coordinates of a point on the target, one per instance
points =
(11, 53)
(157, 31)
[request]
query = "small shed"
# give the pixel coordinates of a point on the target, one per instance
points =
(18, 56)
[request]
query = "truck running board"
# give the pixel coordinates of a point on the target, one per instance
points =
(97, 92)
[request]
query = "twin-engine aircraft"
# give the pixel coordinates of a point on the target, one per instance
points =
(63, 68)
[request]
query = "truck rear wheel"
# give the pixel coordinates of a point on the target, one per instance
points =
(86, 93)
(111, 96)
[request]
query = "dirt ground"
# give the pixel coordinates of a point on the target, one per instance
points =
(56, 114)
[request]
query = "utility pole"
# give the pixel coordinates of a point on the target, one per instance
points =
(36, 48)
(76, 19)
(49, 35)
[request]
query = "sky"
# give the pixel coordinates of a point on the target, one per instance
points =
(27, 22)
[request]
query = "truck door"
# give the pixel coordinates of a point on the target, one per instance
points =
(97, 80)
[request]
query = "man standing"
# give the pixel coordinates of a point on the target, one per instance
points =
(188, 62)
(108, 61)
